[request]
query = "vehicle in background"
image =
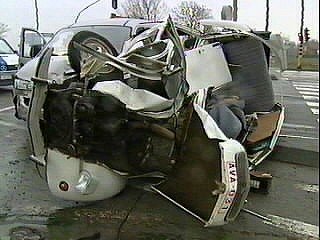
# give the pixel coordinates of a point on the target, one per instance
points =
(123, 100)
(8, 63)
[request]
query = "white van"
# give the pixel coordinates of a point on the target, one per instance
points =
(8, 63)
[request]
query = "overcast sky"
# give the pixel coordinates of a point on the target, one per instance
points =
(54, 14)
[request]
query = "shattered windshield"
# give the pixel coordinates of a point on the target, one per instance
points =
(5, 48)
(116, 35)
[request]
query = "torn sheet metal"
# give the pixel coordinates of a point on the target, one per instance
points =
(134, 99)
(155, 55)
(40, 88)
(210, 75)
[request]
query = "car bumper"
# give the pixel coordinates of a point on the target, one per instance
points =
(22, 92)
(235, 176)
(77, 180)
(6, 77)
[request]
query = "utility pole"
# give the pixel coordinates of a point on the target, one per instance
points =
(235, 10)
(115, 4)
(301, 38)
(267, 15)
(37, 13)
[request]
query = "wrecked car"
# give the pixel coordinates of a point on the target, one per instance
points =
(189, 112)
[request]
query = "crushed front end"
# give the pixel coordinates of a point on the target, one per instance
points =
(129, 116)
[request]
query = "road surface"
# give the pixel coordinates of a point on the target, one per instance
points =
(28, 209)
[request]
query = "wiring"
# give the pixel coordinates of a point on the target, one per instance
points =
(77, 18)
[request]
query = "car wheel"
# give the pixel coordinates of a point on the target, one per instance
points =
(92, 40)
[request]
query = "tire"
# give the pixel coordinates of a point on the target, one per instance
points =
(251, 81)
(87, 37)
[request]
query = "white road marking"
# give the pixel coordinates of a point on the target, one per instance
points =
(6, 109)
(7, 124)
(290, 125)
(313, 104)
(293, 226)
(315, 111)
(306, 85)
(298, 137)
(311, 98)
(307, 89)
(309, 93)
(308, 187)
(306, 81)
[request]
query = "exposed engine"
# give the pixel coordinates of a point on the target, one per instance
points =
(99, 128)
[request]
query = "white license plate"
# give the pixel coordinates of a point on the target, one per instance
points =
(5, 76)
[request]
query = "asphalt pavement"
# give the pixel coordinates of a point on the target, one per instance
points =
(299, 141)
(290, 211)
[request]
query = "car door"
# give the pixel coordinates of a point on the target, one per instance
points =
(31, 42)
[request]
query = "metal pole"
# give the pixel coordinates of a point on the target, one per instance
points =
(300, 52)
(267, 15)
(37, 14)
(235, 10)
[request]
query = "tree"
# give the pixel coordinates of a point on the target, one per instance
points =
(312, 48)
(152, 10)
(190, 12)
(3, 29)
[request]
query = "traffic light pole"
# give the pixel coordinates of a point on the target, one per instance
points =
(115, 4)
(301, 40)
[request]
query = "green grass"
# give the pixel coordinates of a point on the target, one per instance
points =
(307, 64)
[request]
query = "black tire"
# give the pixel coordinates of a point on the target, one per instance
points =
(251, 81)
(81, 37)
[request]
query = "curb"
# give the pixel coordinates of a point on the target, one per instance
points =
(295, 156)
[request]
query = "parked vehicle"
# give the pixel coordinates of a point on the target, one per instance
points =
(8, 63)
(189, 112)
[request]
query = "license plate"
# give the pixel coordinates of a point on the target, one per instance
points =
(5, 76)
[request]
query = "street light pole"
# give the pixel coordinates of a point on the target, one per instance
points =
(235, 10)
(37, 14)
(267, 15)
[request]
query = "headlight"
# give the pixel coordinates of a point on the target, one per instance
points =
(22, 84)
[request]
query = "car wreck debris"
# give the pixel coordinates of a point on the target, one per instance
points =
(172, 105)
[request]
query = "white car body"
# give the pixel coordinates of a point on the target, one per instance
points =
(8, 63)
